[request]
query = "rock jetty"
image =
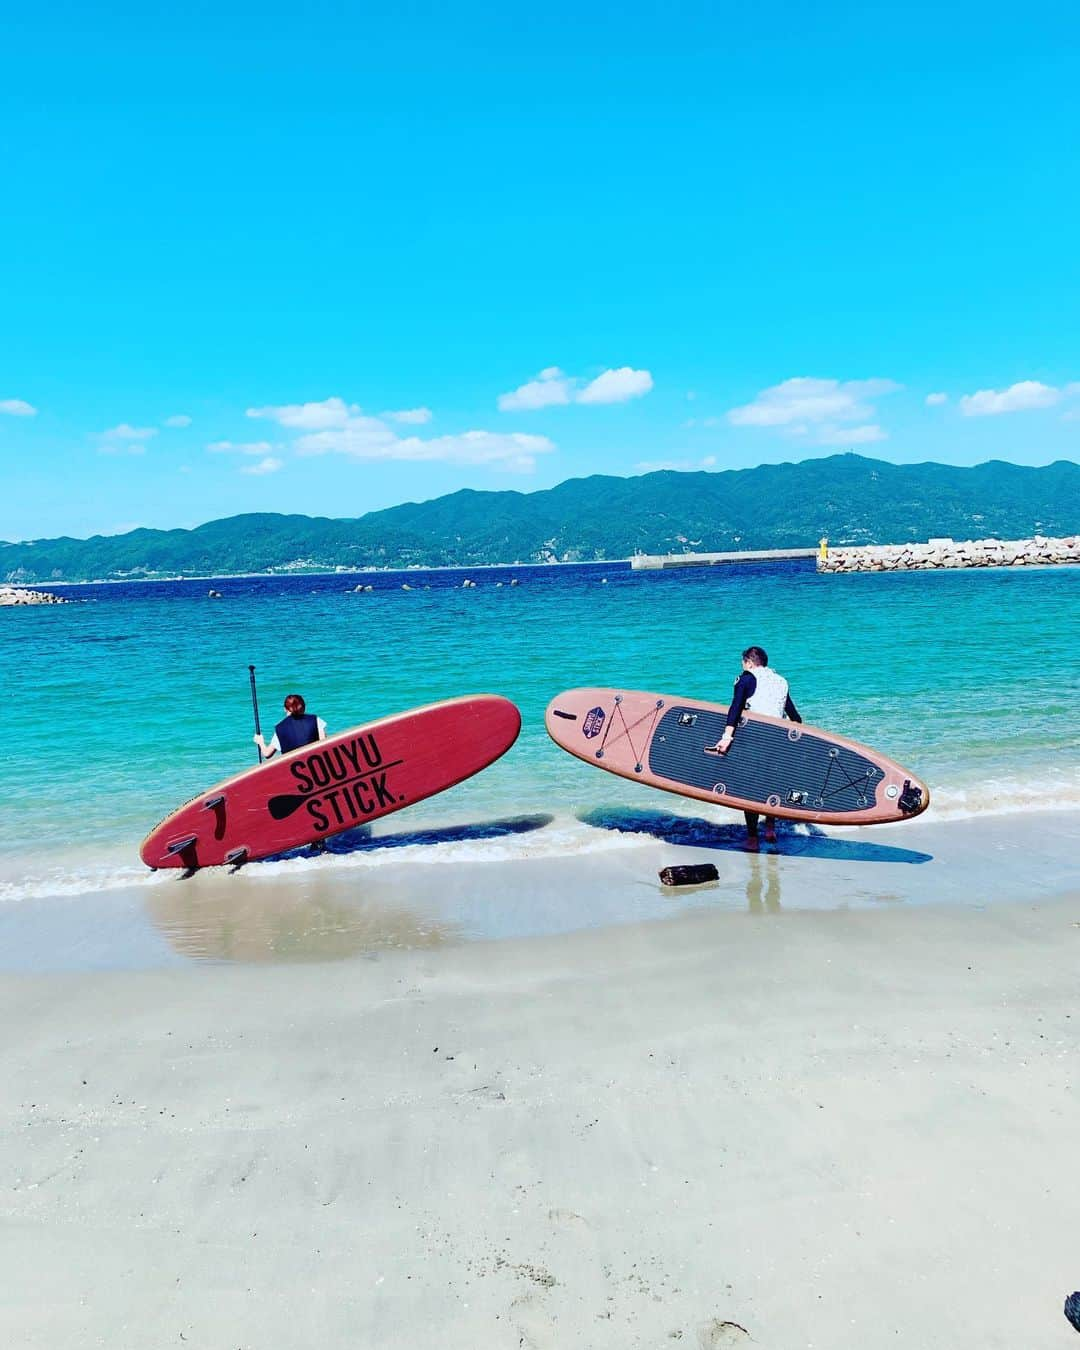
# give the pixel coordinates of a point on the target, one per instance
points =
(938, 553)
(17, 595)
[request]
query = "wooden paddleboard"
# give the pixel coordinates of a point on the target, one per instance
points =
(777, 767)
(347, 780)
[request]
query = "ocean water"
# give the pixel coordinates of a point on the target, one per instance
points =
(127, 702)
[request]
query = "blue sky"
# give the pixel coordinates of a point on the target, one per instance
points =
(570, 240)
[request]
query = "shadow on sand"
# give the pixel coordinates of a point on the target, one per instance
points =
(794, 839)
(361, 840)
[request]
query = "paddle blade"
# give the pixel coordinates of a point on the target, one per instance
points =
(281, 808)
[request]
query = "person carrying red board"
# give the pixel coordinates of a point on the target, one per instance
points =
(297, 729)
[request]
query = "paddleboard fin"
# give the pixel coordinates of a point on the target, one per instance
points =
(182, 845)
(212, 803)
(236, 856)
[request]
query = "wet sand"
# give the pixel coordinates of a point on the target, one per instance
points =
(471, 884)
(750, 1123)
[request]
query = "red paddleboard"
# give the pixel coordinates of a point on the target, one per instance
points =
(776, 767)
(347, 780)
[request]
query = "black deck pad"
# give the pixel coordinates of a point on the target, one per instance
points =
(793, 768)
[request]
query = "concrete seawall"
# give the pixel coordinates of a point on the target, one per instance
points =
(946, 553)
(654, 561)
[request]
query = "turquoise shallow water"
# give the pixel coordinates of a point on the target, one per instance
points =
(126, 703)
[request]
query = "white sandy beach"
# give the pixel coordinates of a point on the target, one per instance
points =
(754, 1124)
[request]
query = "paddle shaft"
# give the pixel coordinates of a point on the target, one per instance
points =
(255, 709)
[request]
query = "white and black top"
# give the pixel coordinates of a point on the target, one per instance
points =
(294, 731)
(762, 690)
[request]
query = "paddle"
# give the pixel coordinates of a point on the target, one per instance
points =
(255, 707)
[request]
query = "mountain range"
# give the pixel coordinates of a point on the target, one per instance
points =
(849, 498)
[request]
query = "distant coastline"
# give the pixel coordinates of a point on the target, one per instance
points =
(854, 501)
(332, 572)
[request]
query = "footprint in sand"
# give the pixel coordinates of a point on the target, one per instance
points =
(719, 1335)
(566, 1218)
(486, 1093)
(534, 1323)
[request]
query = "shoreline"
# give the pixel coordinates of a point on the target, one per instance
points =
(350, 572)
(408, 893)
(752, 556)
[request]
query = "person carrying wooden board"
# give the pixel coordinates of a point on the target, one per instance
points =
(758, 689)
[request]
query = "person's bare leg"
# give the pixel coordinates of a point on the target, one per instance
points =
(770, 830)
(751, 829)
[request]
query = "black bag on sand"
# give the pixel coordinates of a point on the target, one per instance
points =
(690, 874)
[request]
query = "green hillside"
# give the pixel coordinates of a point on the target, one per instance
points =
(848, 497)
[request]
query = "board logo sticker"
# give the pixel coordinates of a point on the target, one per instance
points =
(339, 786)
(593, 723)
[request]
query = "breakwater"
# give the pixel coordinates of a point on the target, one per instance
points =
(647, 562)
(18, 595)
(948, 553)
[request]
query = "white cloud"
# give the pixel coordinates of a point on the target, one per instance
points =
(361, 436)
(267, 465)
(240, 447)
(680, 465)
(17, 407)
(702, 422)
(178, 420)
(331, 412)
(123, 432)
(935, 400)
(796, 404)
(617, 386)
(124, 440)
(552, 387)
(335, 427)
(371, 439)
(410, 416)
(1021, 397)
